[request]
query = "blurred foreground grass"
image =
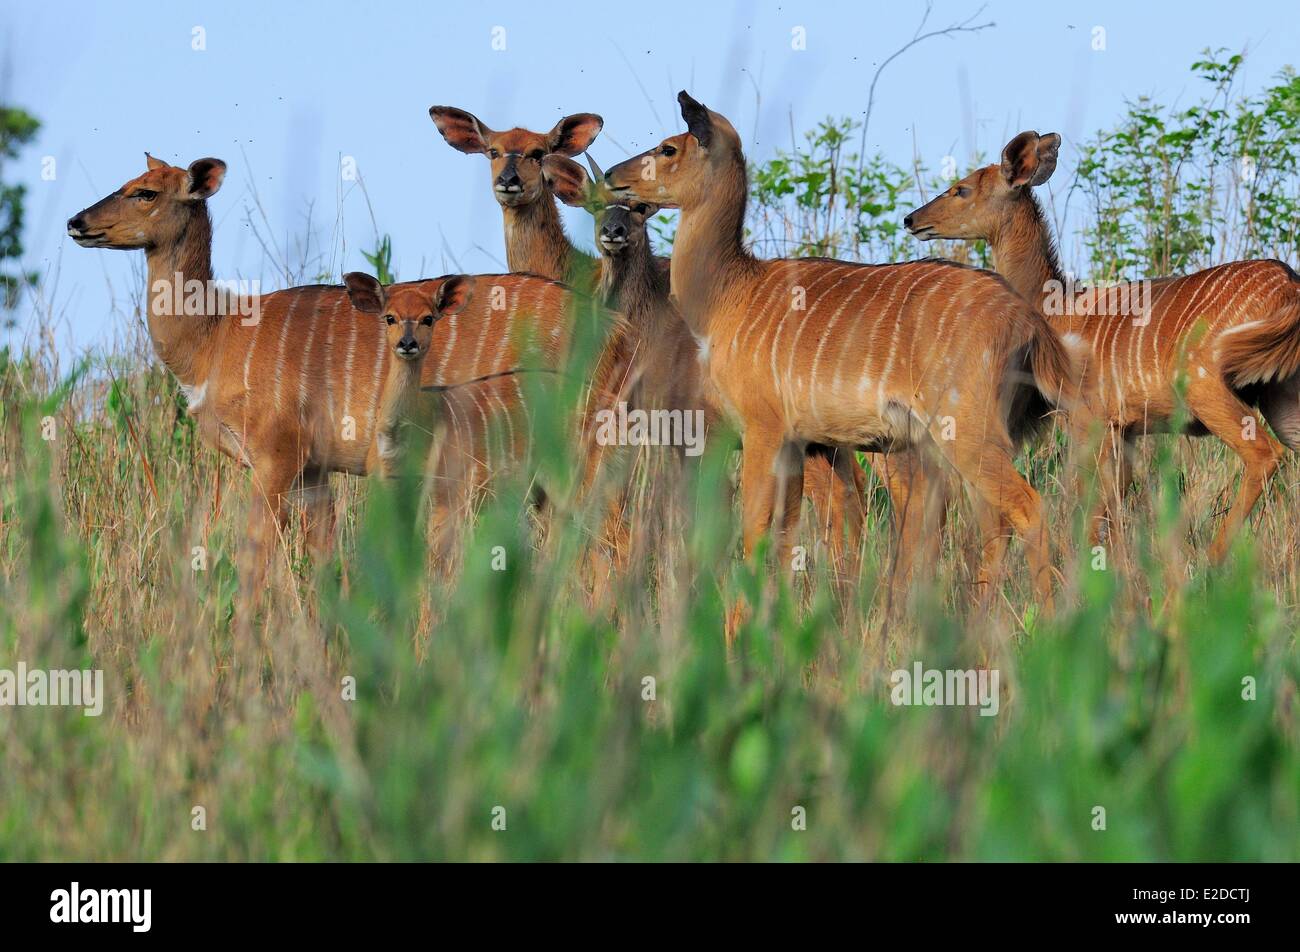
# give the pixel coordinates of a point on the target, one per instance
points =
(489, 695)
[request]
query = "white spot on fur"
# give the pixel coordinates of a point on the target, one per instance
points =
(1241, 327)
(194, 395)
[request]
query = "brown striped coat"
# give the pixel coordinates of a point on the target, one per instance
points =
(904, 358)
(1232, 332)
(288, 383)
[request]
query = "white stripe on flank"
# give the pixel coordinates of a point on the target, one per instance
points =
(864, 380)
(1243, 295)
(279, 351)
(1160, 332)
(846, 272)
(447, 350)
(523, 405)
(756, 318)
(1236, 293)
(940, 342)
(347, 368)
(304, 362)
(1135, 352)
(1187, 310)
(509, 417)
(457, 427)
(472, 370)
(380, 350)
(509, 427)
(898, 323)
(487, 427)
(329, 360)
(498, 362)
(1096, 345)
(1136, 361)
(786, 395)
(761, 321)
(864, 284)
(1239, 292)
(1115, 369)
(248, 358)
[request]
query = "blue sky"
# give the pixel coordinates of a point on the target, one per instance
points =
(283, 90)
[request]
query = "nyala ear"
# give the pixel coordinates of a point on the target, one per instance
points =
(206, 176)
(573, 134)
(365, 292)
(453, 294)
(151, 163)
(1030, 159)
(698, 121)
(461, 129)
(1048, 147)
(567, 180)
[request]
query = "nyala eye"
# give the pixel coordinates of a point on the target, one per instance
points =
(641, 209)
(427, 320)
(493, 154)
(962, 191)
(146, 194)
(537, 155)
(669, 150)
(391, 320)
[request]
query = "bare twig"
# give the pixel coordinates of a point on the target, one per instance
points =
(921, 35)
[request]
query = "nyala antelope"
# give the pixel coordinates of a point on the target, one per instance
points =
(632, 281)
(478, 428)
(409, 313)
(1233, 330)
(293, 390)
(536, 242)
(663, 366)
(902, 358)
(535, 238)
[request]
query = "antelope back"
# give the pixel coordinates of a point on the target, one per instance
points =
(870, 355)
(310, 371)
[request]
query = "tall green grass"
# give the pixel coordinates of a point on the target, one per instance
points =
(513, 694)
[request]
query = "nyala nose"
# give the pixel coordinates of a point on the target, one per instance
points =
(614, 232)
(407, 345)
(76, 223)
(508, 179)
(907, 222)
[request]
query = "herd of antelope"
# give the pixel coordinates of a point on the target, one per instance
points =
(813, 360)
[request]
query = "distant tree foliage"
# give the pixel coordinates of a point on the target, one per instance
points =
(17, 128)
(1172, 190)
(815, 201)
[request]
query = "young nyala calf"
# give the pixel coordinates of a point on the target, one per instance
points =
(410, 313)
